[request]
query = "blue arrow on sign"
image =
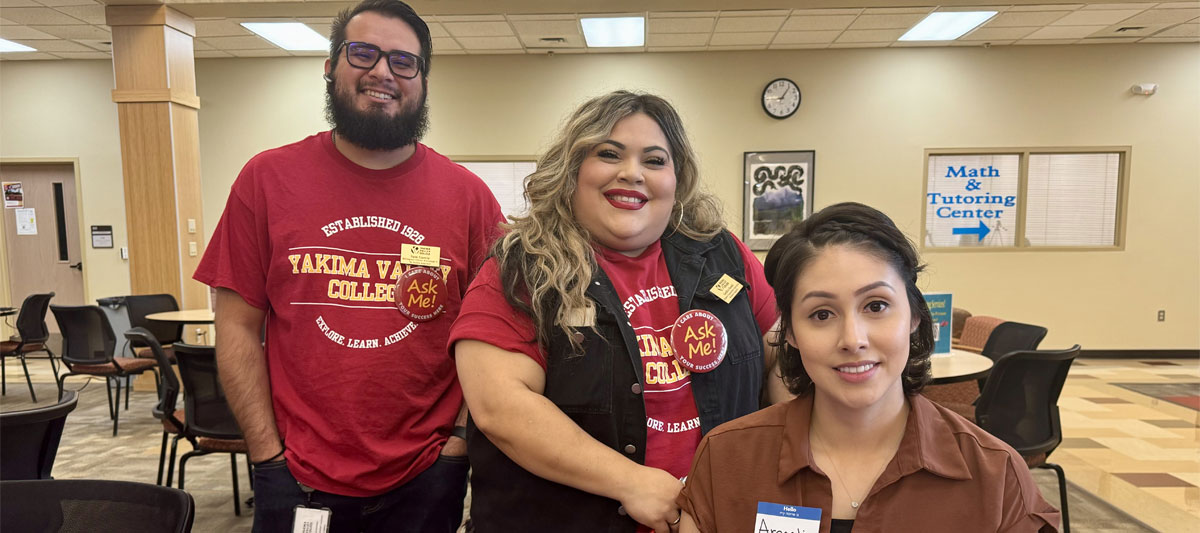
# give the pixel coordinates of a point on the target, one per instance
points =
(982, 231)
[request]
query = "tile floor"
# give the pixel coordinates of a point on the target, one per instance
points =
(1131, 451)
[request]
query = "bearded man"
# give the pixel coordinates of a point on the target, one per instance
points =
(354, 248)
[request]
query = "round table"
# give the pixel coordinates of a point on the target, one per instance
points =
(959, 365)
(186, 316)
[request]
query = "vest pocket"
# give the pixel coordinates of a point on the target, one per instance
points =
(582, 383)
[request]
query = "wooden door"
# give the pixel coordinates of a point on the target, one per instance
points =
(43, 256)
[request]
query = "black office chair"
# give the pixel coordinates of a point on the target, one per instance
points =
(167, 333)
(29, 439)
(94, 505)
(88, 346)
(1010, 337)
(1019, 405)
(168, 395)
(32, 335)
(208, 419)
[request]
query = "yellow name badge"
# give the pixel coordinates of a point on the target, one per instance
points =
(413, 254)
(726, 288)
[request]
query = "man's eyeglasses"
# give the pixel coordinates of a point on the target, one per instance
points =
(365, 55)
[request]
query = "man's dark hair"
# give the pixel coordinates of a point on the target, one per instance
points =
(869, 230)
(387, 8)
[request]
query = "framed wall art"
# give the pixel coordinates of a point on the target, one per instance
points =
(778, 194)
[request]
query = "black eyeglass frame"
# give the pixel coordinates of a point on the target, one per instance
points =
(346, 46)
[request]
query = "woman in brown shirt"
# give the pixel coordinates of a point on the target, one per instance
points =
(858, 445)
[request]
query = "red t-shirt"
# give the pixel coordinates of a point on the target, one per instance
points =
(364, 398)
(652, 306)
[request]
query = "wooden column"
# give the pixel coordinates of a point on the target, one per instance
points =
(154, 70)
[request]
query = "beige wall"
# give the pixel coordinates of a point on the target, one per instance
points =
(868, 113)
(64, 109)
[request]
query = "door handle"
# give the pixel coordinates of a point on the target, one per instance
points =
(78, 266)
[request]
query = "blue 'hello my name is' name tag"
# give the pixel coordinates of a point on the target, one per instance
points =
(779, 518)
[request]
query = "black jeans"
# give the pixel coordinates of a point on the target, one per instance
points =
(431, 502)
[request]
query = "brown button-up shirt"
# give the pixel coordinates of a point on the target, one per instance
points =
(947, 475)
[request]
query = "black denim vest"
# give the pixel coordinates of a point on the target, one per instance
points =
(600, 390)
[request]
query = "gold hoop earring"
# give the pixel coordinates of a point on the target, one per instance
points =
(679, 222)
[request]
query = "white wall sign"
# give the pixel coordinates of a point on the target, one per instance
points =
(26, 221)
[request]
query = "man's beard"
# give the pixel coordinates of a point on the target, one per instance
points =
(375, 129)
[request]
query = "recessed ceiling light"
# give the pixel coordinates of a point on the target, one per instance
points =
(289, 35)
(614, 31)
(9, 46)
(946, 25)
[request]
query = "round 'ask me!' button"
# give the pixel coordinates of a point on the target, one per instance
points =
(421, 294)
(699, 341)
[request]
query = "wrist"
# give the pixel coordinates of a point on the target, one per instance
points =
(460, 432)
(275, 457)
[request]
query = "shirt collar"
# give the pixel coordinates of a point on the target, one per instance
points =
(928, 442)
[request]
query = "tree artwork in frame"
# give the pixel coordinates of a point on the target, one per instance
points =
(778, 194)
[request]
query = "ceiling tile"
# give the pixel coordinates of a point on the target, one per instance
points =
(757, 13)
(478, 29)
(1182, 30)
(489, 43)
(1163, 16)
(483, 52)
(740, 39)
(546, 28)
(1064, 32)
(676, 39)
(208, 54)
(1109, 40)
(198, 44)
(987, 44)
(265, 52)
(869, 36)
(1170, 40)
(748, 24)
(6, 22)
(681, 25)
(451, 53)
(239, 43)
(470, 18)
(861, 45)
(437, 30)
(808, 12)
(37, 15)
(998, 34)
(21, 3)
(309, 53)
(676, 49)
(553, 16)
(1025, 42)
(83, 55)
(777, 46)
(318, 24)
(1101, 7)
(59, 45)
(805, 37)
(567, 41)
(25, 56)
(821, 22)
(220, 28)
(93, 14)
(13, 33)
(100, 45)
(1091, 18)
(684, 14)
(1011, 19)
(548, 51)
(441, 44)
(897, 10)
(1050, 7)
(60, 3)
(879, 22)
(1178, 5)
(76, 32)
(736, 47)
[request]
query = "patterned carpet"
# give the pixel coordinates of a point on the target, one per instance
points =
(1185, 394)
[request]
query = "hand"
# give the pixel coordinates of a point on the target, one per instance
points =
(455, 447)
(650, 499)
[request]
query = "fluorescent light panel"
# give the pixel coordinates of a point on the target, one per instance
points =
(9, 46)
(614, 31)
(946, 25)
(289, 35)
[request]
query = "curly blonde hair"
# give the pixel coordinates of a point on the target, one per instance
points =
(546, 259)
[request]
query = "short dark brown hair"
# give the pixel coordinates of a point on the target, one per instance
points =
(388, 8)
(869, 230)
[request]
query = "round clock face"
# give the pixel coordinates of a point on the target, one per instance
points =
(781, 98)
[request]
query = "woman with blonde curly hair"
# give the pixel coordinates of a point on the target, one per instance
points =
(614, 325)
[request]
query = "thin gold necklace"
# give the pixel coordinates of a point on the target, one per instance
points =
(854, 503)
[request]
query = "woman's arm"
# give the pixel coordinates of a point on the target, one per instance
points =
(504, 392)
